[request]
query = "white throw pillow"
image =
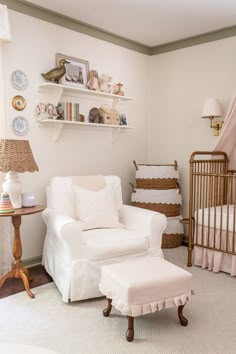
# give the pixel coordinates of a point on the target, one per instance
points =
(97, 209)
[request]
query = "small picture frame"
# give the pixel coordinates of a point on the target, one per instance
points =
(77, 71)
(123, 119)
(18, 103)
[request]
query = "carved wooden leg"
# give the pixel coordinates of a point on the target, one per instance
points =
(5, 277)
(130, 330)
(24, 277)
(26, 271)
(183, 321)
(106, 311)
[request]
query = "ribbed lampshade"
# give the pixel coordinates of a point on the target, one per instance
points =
(16, 155)
(211, 108)
(5, 34)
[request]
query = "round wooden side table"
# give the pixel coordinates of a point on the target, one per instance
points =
(18, 270)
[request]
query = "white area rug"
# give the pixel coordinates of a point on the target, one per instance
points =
(81, 328)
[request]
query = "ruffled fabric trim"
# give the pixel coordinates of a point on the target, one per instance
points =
(214, 260)
(144, 309)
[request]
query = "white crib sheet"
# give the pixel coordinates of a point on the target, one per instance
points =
(205, 212)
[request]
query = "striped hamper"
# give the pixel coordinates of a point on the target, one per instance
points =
(157, 189)
(156, 176)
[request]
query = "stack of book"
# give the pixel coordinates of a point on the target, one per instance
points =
(68, 111)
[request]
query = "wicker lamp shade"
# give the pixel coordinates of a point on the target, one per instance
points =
(16, 155)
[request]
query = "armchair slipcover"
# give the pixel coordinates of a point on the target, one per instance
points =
(74, 257)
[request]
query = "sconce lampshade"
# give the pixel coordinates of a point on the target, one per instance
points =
(211, 108)
(5, 33)
(15, 156)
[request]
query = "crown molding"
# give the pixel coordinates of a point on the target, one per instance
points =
(75, 25)
(195, 40)
(41, 13)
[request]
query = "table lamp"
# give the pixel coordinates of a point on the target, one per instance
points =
(15, 156)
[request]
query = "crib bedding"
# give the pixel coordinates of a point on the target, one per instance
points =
(214, 260)
(215, 238)
(201, 217)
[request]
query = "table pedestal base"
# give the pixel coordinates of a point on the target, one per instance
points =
(18, 271)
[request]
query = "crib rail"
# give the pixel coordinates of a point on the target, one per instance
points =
(212, 203)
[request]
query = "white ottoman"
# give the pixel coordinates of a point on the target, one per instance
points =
(143, 286)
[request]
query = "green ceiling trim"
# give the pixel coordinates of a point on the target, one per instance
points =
(195, 40)
(78, 26)
(41, 13)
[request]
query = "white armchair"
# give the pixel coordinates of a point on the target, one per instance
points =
(74, 257)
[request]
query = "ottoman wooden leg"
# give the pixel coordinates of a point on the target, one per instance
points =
(106, 311)
(130, 330)
(183, 321)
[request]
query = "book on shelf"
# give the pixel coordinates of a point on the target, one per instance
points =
(68, 111)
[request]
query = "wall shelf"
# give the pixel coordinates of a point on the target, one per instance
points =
(59, 125)
(58, 90)
(52, 92)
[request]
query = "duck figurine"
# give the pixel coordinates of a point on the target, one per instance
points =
(56, 74)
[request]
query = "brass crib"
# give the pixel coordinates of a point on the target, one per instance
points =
(212, 203)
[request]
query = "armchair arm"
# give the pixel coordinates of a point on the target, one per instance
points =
(142, 220)
(65, 231)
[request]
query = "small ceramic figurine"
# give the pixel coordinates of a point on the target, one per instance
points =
(40, 111)
(93, 83)
(95, 116)
(106, 83)
(56, 74)
(51, 111)
(81, 118)
(119, 92)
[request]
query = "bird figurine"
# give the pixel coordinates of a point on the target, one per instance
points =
(56, 74)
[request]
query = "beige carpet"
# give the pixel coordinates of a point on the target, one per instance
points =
(80, 327)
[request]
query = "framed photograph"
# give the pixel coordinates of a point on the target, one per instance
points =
(77, 71)
(123, 119)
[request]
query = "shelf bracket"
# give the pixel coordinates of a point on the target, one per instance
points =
(53, 94)
(57, 131)
(115, 102)
(115, 134)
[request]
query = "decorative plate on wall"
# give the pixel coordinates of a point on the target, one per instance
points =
(19, 80)
(20, 125)
(19, 103)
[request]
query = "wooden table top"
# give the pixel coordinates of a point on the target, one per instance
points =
(25, 211)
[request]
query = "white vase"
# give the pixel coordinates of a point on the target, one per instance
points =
(13, 187)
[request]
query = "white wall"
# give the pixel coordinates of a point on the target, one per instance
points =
(169, 91)
(79, 151)
(180, 82)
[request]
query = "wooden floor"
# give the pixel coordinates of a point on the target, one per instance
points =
(13, 286)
